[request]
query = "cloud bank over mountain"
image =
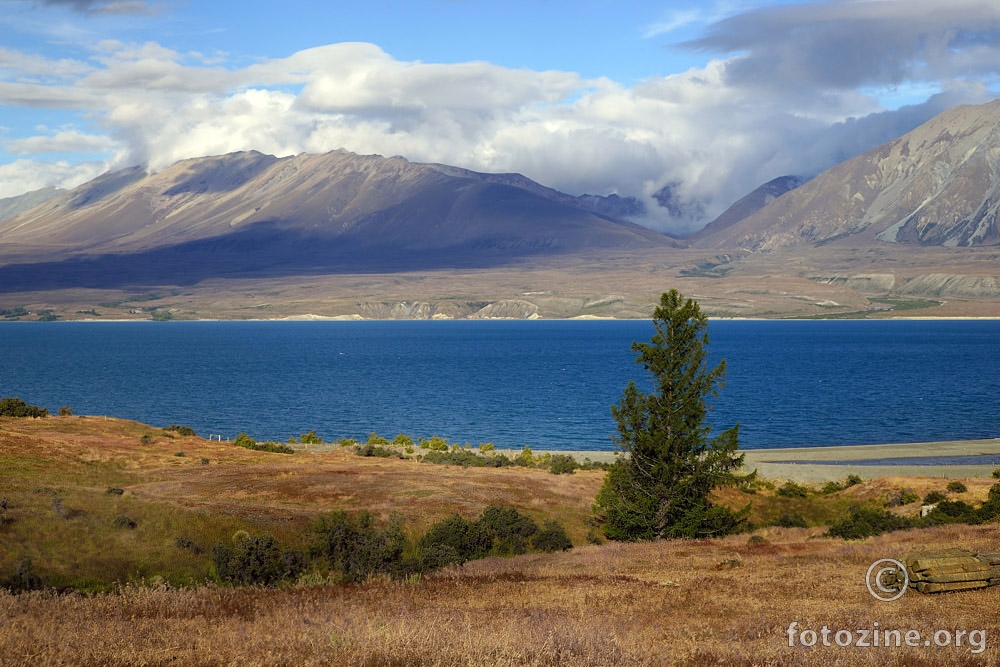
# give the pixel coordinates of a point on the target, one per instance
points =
(786, 89)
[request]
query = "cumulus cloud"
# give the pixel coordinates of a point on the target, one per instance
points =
(21, 176)
(791, 98)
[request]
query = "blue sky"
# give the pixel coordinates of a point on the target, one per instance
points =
(595, 96)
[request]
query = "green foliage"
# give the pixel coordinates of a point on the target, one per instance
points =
(188, 544)
(123, 521)
(952, 511)
(934, 497)
(790, 520)
(356, 546)
(162, 316)
(990, 510)
(310, 438)
(508, 529)
(956, 487)
(146, 439)
(661, 489)
(402, 440)
(375, 439)
(466, 459)
(834, 487)
(180, 430)
(562, 464)
(435, 444)
(552, 537)
(255, 561)
(525, 458)
(13, 313)
(485, 447)
(115, 491)
(15, 407)
(65, 411)
(996, 473)
(454, 540)
(863, 521)
(245, 441)
(791, 489)
(369, 449)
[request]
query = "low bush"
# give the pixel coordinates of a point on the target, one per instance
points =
(180, 430)
(255, 561)
(356, 546)
(15, 407)
(863, 521)
(368, 449)
(508, 530)
(310, 438)
(188, 544)
(562, 464)
(65, 411)
(956, 487)
(454, 540)
(952, 511)
(792, 489)
(23, 579)
(244, 440)
(552, 537)
(934, 497)
(123, 521)
(466, 458)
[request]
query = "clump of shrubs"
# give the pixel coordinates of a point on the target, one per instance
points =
(15, 407)
(863, 521)
(834, 487)
(956, 487)
(934, 497)
(188, 544)
(124, 521)
(65, 411)
(562, 464)
(180, 430)
(256, 560)
(792, 489)
(381, 451)
(115, 491)
(244, 440)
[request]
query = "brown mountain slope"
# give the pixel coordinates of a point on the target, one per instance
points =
(248, 212)
(939, 185)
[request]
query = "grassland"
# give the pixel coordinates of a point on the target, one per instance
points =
(725, 601)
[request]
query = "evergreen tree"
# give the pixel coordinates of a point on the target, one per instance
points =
(661, 487)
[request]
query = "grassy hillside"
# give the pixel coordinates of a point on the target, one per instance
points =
(726, 601)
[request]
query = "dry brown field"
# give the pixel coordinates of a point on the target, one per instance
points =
(724, 601)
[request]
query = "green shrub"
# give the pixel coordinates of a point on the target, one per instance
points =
(180, 430)
(853, 480)
(15, 407)
(466, 458)
(507, 529)
(179, 454)
(245, 441)
(831, 487)
(996, 473)
(562, 464)
(310, 438)
(356, 546)
(123, 521)
(934, 497)
(65, 411)
(956, 487)
(375, 439)
(146, 439)
(368, 449)
(115, 491)
(792, 489)
(435, 444)
(485, 447)
(456, 537)
(863, 521)
(402, 440)
(552, 537)
(990, 509)
(952, 511)
(255, 561)
(757, 541)
(790, 521)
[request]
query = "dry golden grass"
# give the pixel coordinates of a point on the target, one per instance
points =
(674, 602)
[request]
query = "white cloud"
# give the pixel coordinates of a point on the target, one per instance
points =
(21, 176)
(717, 131)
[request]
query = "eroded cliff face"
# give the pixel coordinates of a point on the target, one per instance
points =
(938, 185)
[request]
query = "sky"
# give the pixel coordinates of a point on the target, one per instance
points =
(707, 99)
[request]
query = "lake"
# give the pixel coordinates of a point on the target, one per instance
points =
(547, 384)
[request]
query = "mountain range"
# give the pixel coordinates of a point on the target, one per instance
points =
(253, 216)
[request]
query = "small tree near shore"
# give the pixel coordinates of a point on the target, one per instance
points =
(661, 488)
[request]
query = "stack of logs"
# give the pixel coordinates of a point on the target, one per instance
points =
(952, 569)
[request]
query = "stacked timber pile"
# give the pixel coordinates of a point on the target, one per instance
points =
(952, 569)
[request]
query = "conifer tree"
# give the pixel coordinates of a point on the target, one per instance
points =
(660, 487)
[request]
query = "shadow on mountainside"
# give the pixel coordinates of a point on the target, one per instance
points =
(263, 251)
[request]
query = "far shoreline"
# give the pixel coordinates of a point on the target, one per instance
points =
(805, 464)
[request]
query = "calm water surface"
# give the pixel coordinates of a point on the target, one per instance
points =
(548, 384)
